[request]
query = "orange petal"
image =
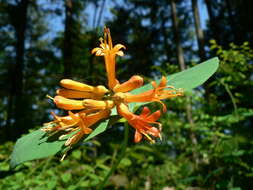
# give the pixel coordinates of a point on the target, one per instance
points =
(123, 110)
(137, 136)
(74, 139)
(154, 116)
(120, 53)
(98, 51)
(94, 118)
(163, 82)
(75, 117)
(87, 130)
(154, 132)
(142, 97)
(117, 47)
(142, 123)
(145, 112)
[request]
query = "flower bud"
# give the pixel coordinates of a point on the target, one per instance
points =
(68, 104)
(133, 83)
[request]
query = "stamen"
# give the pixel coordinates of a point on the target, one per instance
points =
(50, 97)
(149, 138)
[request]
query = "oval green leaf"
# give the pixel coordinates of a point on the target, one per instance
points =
(38, 145)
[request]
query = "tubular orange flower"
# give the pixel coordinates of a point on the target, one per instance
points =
(79, 122)
(109, 52)
(74, 85)
(68, 104)
(60, 123)
(75, 94)
(157, 94)
(85, 122)
(81, 129)
(142, 123)
(133, 83)
(78, 86)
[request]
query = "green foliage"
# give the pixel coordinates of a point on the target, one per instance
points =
(79, 171)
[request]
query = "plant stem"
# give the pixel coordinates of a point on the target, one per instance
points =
(230, 95)
(122, 154)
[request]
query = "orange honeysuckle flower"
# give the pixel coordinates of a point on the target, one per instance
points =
(84, 124)
(60, 123)
(95, 102)
(78, 86)
(80, 122)
(142, 123)
(133, 83)
(68, 104)
(157, 94)
(109, 52)
(66, 93)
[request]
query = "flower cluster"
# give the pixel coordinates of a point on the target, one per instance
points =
(92, 104)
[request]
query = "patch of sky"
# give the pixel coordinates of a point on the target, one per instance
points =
(55, 18)
(203, 14)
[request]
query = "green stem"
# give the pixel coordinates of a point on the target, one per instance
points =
(122, 154)
(230, 95)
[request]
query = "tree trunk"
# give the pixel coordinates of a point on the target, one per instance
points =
(16, 105)
(180, 57)
(180, 53)
(234, 28)
(199, 31)
(165, 36)
(213, 25)
(68, 39)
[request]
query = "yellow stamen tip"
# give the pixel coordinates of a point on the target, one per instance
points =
(50, 97)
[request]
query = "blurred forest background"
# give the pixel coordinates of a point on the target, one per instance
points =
(207, 135)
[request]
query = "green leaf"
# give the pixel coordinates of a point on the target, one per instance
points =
(66, 177)
(38, 145)
(33, 146)
(100, 129)
(190, 78)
